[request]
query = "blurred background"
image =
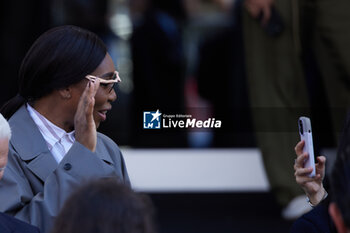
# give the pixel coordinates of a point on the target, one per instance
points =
(188, 57)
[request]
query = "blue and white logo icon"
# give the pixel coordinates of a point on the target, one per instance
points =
(151, 120)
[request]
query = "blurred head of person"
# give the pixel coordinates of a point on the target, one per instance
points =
(105, 206)
(5, 135)
(339, 208)
(52, 75)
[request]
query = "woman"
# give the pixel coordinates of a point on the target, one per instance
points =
(54, 118)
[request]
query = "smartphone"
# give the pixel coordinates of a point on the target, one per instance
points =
(305, 132)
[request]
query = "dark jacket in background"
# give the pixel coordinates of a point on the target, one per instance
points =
(9, 224)
(158, 76)
(317, 220)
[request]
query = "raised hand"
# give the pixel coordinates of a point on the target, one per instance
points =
(312, 186)
(84, 124)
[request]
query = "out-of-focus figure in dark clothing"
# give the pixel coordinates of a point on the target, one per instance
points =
(21, 23)
(277, 92)
(158, 71)
(221, 81)
(89, 14)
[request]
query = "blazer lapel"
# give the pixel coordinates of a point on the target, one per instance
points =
(102, 152)
(30, 145)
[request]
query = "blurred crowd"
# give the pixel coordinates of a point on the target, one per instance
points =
(181, 57)
(199, 57)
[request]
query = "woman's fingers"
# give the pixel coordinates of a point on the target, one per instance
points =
(300, 160)
(321, 165)
(87, 101)
(302, 180)
(89, 96)
(85, 128)
(299, 147)
(321, 160)
(303, 171)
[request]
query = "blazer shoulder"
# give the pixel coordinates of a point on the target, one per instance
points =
(107, 140)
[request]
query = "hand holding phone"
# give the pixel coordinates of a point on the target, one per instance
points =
(305, 132)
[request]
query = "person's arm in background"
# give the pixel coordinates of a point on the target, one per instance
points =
(312, 186)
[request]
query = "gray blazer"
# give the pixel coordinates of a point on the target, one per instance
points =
(34, 186)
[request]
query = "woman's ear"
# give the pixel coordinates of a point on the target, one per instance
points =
(335, 213)
(65, 93)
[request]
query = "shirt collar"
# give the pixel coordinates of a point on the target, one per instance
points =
(51, 132)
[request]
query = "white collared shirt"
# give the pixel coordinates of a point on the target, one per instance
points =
(57, 139)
